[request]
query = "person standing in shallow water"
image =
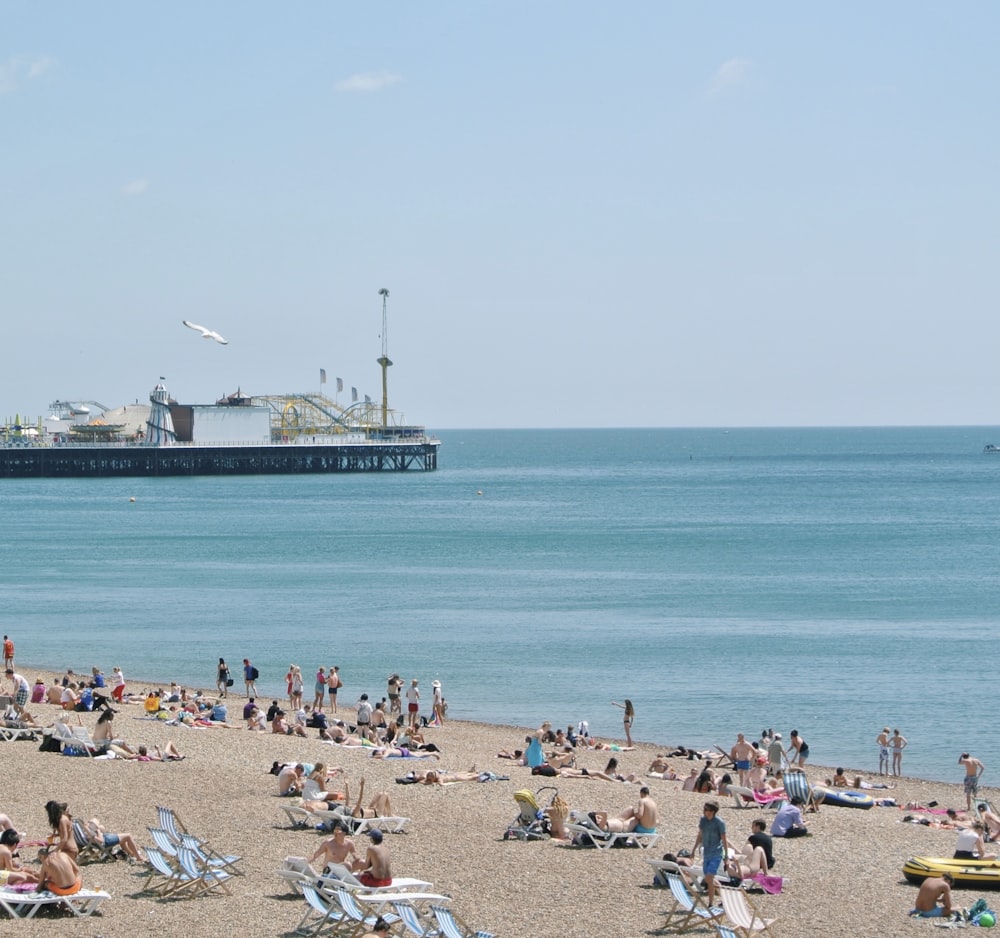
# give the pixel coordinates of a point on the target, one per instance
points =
(883, 751)
(627, 719)
(898, 744)
(222, 677)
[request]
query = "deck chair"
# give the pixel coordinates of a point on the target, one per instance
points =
(450, 926)
(164, 842)
(744, 916)
(26, 904)
(171, 823)
(723, 759)
(588, 836)
(165, 879)
(797, 786)
(353, 912)
(361, 825)
(337, 875)
(68, 740)
(412, 922)
(298, 817)
(211, 858)
(742, 796)
(87, 850)
(296, 871)
(323, 911)
(206, 878)
(662, 867)
(690, 906)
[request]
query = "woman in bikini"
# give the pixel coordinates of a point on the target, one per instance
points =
(380, 805)
(627, 719)
(61, 822)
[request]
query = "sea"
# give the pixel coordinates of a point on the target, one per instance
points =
(833, 581)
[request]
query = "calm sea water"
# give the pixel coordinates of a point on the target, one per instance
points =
(831, 580)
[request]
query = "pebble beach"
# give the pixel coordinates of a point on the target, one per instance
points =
(845, 880)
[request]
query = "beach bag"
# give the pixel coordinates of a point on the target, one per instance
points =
(254, 674)
(229, 682)
(49, 744)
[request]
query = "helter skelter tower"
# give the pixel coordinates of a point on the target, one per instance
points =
(384, 360)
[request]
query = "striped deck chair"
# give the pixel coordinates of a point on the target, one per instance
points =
(797, 786)
(323, 912)
(742, 913)
(693, 909)
(453, 927)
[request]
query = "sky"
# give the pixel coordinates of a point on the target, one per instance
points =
(662, 214)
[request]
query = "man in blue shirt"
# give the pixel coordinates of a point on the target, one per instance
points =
(712, 838)
(788, 821)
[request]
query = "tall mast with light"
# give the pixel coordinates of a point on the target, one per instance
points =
(384, 360)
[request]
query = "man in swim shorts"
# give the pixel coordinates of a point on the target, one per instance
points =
(59, 874)
(933, 890)
(973, 770)
(742, 754)
(712, 838)
(883, 751)
(641, 819)
(375, 867)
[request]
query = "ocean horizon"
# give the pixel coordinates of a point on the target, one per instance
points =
(832, 580)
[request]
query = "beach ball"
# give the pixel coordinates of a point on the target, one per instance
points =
(986, 920)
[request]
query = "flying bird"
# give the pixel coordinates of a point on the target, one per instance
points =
(205, 333)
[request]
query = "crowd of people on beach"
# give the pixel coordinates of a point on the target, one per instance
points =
(394, 728)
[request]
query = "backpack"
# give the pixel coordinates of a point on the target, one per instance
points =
(254, 674)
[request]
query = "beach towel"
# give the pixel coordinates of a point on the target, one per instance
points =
(770, 884)
(762, 798)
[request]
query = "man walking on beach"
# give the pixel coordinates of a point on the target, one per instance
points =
(973, 770)
(712, 837)
(933, 890)
(413, 702)
(249, 677)
(775, 753)
(21, 689)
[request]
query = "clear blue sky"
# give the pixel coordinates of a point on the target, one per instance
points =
(587, 214)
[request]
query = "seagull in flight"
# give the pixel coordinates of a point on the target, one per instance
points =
(205, 333)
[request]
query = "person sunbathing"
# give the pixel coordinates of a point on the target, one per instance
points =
(991, 821)
(169, 753)
(516, 754)
(970, 845)
(315, 795)
(59, 873)
(11, 871)
(705, 783)
(557, 813)
(859, 782)
(401, 752)
(412, 738)
(337, 849)
(434, 777)
(839, 779)
(96, 834)
(61, 822)
(642, 819)
(290, 779)
(380, 805)
(104, 734)
(749, 863)
(256, 721)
